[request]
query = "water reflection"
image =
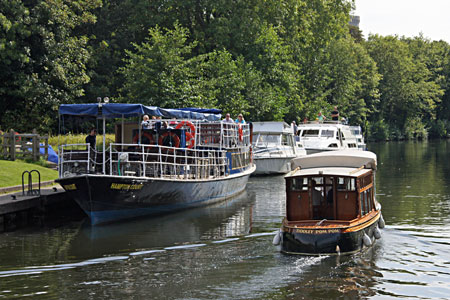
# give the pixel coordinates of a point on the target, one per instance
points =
(229, 218)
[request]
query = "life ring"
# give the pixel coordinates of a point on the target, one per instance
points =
(17, 137)
(241, 133)
(190, 136)
(169, 136)
(146, 135)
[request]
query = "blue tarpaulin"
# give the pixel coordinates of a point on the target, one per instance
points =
(117, 110)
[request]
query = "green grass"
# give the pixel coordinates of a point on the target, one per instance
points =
(11, 173)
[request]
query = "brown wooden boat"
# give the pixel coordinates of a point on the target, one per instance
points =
(331, 206)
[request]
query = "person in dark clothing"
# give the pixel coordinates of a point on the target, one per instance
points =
(91, 138)
(335, 114)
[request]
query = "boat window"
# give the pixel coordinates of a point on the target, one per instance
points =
(346, 184)
(365, 181)
(327, 133)
(310, 132)
(299, 184)
(269, 139)
(366, 201)
(333, 145)
(287, 140)
(352, 145)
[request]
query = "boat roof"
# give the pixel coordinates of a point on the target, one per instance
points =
(337, 159)
(335, 171)
(325, 125)
(118, 110)
(271, 127)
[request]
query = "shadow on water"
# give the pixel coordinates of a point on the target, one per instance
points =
(232, 217)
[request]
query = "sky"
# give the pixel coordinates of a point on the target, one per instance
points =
(405, 18)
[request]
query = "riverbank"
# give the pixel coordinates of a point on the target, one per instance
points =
(11, 173)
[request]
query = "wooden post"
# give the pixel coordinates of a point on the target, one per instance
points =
(35, 146)
(46, 146)
(12, 151)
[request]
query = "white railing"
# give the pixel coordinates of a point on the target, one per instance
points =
(167, 162)
(206, 159)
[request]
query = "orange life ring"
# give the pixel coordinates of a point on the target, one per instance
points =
(147, 135)
(172, 136)
(241, 133)
(190, 136)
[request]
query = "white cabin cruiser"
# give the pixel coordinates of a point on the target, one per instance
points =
(332, 135)
(274, 146)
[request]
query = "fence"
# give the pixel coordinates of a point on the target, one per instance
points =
(21, 146)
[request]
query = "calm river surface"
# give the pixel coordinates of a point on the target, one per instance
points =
(225, 251)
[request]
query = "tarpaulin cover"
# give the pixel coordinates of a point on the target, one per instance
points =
(117, 110)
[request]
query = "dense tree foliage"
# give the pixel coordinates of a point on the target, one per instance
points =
(270, 60)
(42, 59)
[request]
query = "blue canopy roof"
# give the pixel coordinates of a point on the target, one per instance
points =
(117, 110)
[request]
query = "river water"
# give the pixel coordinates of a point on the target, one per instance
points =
(225, 251)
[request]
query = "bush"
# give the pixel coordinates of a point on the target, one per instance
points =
(415, 129)
(54, 141)
(439, 129)
(378, 131)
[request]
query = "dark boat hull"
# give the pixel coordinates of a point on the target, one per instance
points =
(107, 199)
(324, 241)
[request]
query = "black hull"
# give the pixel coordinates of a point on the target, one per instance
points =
(324, 241)
(107, 199)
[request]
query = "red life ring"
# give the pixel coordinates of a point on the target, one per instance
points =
(147, 135)
(241, 133)
(190, 136)
(18, 138)
(172, 136)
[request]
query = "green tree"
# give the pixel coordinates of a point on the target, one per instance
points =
(407, 88)
(42, 59)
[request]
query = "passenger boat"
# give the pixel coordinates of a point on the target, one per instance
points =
(274, 147)
(197, 161)
(330, 204)
(330, 135)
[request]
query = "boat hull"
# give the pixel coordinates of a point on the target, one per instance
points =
(272, 165)
(324, 241)
(108, 199)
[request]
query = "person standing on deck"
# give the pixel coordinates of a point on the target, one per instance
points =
(91, 139)
(227, 119)
(321, 117)
(240, 119)
(294, 127)
(146, 123)
(335, 114)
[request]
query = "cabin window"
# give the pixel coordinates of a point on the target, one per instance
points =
(287, 140)
(269, 139)
(352, 145)
(327, 133)
(310, 132)
(346, 184)
(365, 181)
(299, 184)
(366, 201)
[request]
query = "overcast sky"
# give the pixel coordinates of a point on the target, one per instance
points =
(405, 17)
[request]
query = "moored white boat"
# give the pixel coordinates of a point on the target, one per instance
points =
(274, 147)
(329, 136)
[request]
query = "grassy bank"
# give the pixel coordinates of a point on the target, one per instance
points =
(11, 173)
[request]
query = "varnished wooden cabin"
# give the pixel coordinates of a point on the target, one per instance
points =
(331, 206)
